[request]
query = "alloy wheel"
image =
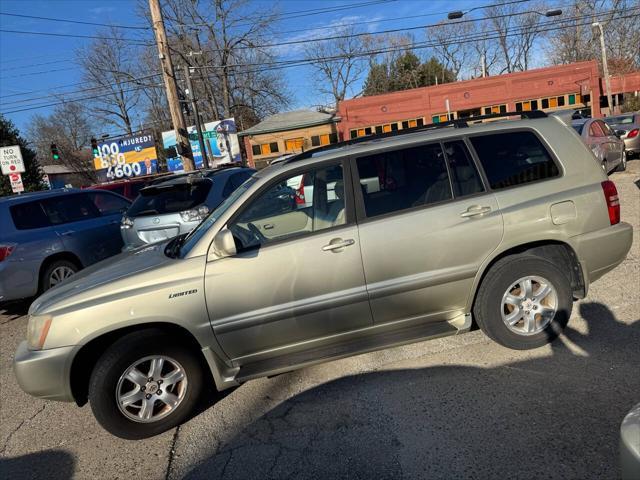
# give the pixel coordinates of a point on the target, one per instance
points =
(529, 305)
(59, 274)
(151, 388)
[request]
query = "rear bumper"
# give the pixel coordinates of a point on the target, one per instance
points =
(17, 280)
(45, 373)
(601, 251)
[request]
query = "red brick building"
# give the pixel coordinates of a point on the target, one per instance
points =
(552, 88)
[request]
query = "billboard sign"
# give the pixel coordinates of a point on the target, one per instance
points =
(220, 140)
(126, 157)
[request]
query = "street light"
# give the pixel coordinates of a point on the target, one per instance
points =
(596, 28)
(459, 13)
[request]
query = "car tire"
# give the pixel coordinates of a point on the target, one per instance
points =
(623, 164)
(109, 390)
(501, 299)
(56, 272)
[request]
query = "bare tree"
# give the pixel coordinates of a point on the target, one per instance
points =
(109, 65)
(455, 56)
(577, 43)
(69, 128)
(338, 63)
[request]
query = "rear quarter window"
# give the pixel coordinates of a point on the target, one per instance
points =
(514, 158)
(27, 216)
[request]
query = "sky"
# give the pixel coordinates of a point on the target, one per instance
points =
(42, 65)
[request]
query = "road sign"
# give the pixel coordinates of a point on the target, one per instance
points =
(16, 182)
(11, 160)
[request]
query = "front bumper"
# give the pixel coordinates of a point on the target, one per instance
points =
(45, 373)
(601, 251)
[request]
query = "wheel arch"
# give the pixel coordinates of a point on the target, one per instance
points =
(71, 257)
(85, 359)
(560, 253)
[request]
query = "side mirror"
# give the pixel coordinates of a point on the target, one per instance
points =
(224, 244)
(620, 133)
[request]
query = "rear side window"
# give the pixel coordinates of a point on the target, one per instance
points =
(401, 179)
(464, 174)
(595, 130)
(69, 208)
(108, 204)
(514, 158)
(169, 198)
(27, 216)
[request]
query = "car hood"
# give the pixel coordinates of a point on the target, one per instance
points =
(84, 285)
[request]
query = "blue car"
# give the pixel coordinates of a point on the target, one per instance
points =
(45, 237)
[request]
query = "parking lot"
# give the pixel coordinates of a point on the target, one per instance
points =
(449, 408)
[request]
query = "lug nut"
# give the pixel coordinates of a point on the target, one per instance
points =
(151, 379)
(147, 396)
(159, 392)
(143, 388)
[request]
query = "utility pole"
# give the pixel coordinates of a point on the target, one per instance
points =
(196, 114)
(597, 30)
(182, 138)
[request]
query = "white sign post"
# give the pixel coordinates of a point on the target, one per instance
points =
(11, 160)
(16, 182)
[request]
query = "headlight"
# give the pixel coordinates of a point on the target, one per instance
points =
(195, 214)
(37, 329)
(126, 222)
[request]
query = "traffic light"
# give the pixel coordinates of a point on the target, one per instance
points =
(94, 147)
(55, 154)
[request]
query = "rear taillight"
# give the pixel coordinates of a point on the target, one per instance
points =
(613, 202)
(5, 250)
(633, 133)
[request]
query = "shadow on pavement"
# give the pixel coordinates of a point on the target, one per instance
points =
(548, 417)
(50, 464)
(14, 309)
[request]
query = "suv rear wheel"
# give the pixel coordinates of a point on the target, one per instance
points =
(144, 384)
(523, 302)
(56, 272)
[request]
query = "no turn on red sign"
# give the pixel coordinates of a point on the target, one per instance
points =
(16, 182)
(11, 160)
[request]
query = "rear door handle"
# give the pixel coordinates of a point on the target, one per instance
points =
(268, 226)
(475, 210)
(68, 232)
(337, 244)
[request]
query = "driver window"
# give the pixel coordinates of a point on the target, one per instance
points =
(302, 203)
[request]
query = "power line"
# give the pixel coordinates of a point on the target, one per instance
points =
(381, 32)
(381, 20)
(36, 107)
(73, 35)
(483, 36)
(27, 100)
(50, 19)
(37, 73)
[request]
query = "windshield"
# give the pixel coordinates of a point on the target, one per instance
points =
(169, 198)
(619, 120)
(197, 233)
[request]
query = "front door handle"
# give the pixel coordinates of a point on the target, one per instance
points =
(268, 226)
(337, 244)
(68, 232)
(475, 210)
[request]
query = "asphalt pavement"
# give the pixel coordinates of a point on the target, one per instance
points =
(458, 407)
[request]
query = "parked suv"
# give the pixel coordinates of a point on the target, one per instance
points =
(46, 237)
(178, 204)
(502, 223)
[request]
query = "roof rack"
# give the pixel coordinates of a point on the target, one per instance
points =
(457, 123)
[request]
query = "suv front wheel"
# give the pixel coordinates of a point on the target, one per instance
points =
(523, 302)
(144, 384)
